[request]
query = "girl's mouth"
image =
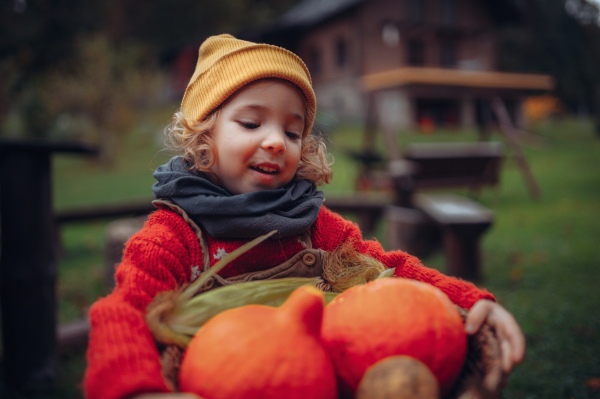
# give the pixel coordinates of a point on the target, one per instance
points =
(265, 169)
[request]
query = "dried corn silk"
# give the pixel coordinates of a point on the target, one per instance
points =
(345, 267)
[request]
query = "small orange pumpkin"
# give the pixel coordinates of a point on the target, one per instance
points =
(262, 352)
(390, 317)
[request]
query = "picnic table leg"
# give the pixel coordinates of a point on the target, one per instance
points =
(27, 271)
(461, 248)
(367, 220)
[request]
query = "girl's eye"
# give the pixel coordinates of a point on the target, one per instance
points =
(293, 136)
(249, 125)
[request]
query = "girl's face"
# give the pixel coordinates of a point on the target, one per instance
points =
(258, 137)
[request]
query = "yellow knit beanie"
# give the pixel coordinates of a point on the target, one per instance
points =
(226, 64)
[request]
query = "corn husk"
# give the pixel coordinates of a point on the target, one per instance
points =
(387, 273)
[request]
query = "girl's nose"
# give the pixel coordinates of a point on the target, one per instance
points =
(274, 142)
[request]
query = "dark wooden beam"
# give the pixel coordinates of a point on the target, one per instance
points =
(28, 268)
(143, 207)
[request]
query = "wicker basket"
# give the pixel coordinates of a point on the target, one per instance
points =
(481, 377)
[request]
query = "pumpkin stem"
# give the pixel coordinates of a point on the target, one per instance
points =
(305, 307)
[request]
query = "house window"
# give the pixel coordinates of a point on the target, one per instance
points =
(341, 53)
(448, 55)
(416, 11)
(314, 61)
(437, 112)
(416, 52)
(448, 12)
(390, 35)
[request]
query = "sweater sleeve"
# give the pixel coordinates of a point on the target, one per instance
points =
(122, 356)
(330, 230)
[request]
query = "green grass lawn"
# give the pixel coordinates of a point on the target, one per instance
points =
(542, 261)
(541, 258)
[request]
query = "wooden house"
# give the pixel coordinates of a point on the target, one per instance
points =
(418, 62)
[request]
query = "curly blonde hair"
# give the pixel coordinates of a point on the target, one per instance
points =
(193, 141)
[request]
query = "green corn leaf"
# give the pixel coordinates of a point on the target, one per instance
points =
(188, 317)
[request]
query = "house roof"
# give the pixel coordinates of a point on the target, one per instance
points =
(308, 13)
(311, 12)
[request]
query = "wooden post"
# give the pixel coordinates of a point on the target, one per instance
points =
(28, 274)
(28, 269)
(510, 133)
(461, 248)
(371, 124)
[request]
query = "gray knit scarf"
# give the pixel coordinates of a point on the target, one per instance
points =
(290, 210)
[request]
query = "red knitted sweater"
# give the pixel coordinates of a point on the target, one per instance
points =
(122, 356)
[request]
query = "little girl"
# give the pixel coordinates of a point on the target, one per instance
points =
(249, 165)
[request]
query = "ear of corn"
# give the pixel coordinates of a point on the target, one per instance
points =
(188, 317)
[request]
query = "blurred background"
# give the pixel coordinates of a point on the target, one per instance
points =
(395, 79)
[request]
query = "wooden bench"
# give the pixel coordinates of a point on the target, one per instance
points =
(419, 222)
(462, 222)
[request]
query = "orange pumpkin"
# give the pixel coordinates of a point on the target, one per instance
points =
(262, 352)
(390, 317)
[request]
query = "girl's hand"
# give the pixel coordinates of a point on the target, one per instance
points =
(512, 340)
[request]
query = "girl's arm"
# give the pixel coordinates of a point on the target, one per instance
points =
(166, 396)
(330, 230)
(123, 359)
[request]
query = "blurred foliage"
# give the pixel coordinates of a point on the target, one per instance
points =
(37, 34)
(167, 23)
(40, 33)
(73, 69)
(95, 94)
(561, 38)
(104, 85)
